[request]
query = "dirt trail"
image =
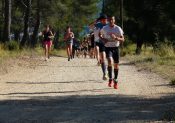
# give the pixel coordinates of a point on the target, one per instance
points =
(62, 91)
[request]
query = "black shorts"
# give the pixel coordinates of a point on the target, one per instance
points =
(89, 47)
(97, 44)
(85, 49)
(75, 47)
(93, 45)
(113, 52)
(101, 46)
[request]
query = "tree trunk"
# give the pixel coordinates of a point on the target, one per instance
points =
(1, 18)
(37, 24)
(7, 21)
(139, 47)
(121, 13)
(2, 9)
(103, 7)
(56, 39)
(17, 35)
(26, 24)
(0, 35)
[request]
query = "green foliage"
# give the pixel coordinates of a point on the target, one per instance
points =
(128, 47)
(12, 45)
(17, 15)
(164, 49)
(57, 13)
(145, 21)
(161, 61)
(173, 83)
(169, 115)
(65, 13)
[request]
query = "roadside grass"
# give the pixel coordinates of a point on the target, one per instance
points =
(12, 51)
(161, 61)
(173, 82)
(169, 115)
(10, 55)
(59, 53)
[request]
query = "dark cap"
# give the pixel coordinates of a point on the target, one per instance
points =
(102, 16)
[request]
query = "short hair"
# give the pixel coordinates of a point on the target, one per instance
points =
(47, 26)
(68, 27)
(111, 16)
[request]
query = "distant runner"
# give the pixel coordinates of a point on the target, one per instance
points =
(112, 35)
(100, 45)
(75, 48)
(68, 37)
(48, 35)
(92, 48)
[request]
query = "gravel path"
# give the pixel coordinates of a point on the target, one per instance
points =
(67, 92)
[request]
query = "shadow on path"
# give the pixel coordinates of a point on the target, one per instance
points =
(82, 81)
(84, 109)
(59, 92)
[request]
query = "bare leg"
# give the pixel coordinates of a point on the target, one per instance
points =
(50, 46)
(103, 64)
(102, 57)
(97, 54)
(46, 52)
(49, 49)
(70, 50)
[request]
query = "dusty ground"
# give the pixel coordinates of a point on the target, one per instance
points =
(70, 92)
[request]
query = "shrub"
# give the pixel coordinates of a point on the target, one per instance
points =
(12, 45)
(165, 49)
(169, 115)
(173, 82)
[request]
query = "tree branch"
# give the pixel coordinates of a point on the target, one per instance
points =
(23, 3)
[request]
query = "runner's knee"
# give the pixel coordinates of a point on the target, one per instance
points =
(109, 62)
(116, 66)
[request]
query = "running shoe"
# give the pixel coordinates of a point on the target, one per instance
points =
(115, 83)
(98, 63)
(46, 59)
(105, 77)
(110, 83)
(69, 59)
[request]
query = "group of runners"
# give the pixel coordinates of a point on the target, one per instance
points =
(102, 44)
(107, 37)
(84, 48)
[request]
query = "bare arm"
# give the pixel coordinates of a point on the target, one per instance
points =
(51, 35)
(92, 25)
(102, 37)
(65, 37)
(121, 38)
(118, 38)
(72, 35)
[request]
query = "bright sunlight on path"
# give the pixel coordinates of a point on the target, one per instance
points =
(70, 92)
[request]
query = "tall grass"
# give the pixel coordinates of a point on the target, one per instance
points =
(161, 60)
(165, 50)
(11, 49)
